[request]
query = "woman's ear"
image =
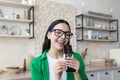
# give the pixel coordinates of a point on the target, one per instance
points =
(48, 35)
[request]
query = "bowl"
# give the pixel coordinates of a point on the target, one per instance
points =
(14, 69)
(109, 60)
(1, 71)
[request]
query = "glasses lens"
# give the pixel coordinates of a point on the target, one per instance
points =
(68, 35)
(58, 33)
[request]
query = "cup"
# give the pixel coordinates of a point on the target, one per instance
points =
(17, 16)
(89, 34)
(23, 2)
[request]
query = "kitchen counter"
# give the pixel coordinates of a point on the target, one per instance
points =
(26, 75)
(90, 68)
(13, 76)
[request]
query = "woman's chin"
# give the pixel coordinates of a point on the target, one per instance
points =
(60, 48)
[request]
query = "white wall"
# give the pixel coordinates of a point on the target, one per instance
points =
(14, 50)
(102, 6)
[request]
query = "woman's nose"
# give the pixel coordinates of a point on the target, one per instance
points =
(64, 35)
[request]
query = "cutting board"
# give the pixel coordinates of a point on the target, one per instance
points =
(115, 54)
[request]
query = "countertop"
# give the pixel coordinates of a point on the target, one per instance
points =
(91, 69)
(26, 75)
(13, 76)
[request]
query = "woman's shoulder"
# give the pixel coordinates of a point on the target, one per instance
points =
(77, 55)
(38, 59)
(35, 60)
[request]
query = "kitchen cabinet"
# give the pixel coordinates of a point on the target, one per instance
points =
(16, 19)
(103, 73)
(92, 75)
(96, 28)
(100, 75)
(116, 74)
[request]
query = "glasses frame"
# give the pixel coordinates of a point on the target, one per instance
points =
(64, 32)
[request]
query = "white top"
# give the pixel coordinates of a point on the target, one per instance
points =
(52, 63)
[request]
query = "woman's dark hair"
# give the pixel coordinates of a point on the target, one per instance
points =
(47, 43)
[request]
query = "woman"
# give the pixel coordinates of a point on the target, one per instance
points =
(51, 64)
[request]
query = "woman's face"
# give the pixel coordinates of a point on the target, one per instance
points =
(59, 36)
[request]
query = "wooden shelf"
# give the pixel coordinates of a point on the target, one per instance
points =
(14, 4)
(99, 40)
(93, 28)
(97, 17)
(78, 27)
(16, 36)
(29, 14)
(15, 20)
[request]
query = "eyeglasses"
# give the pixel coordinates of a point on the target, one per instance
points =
(59, 33)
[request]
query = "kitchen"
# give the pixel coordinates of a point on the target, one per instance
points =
(13, 50)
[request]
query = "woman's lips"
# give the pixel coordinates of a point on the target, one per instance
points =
(61, 42)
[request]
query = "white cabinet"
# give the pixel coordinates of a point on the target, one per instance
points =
(92, 75)
(16, 19)
(111, 74)
(105, 75)
(116, 74)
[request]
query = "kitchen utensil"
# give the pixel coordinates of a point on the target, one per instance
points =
(15, 30)
(14, 69)
(84, 53)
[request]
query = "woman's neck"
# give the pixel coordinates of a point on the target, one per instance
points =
(55, 53)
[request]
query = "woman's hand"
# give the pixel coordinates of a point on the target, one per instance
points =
(73, 63)
(58, 69)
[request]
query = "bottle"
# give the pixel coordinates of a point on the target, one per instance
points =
(24, 14)
(30, 58)
(24, 65)
(13, 14)
(89, 34)
(100, 36)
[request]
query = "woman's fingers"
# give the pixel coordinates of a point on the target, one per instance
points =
(70, 62)
(60, 66)
(73, 63)
(58, 69)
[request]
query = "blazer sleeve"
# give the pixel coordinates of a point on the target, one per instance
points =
(82, 67)
(35, 70)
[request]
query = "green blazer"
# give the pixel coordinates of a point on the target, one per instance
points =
(40, 70)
